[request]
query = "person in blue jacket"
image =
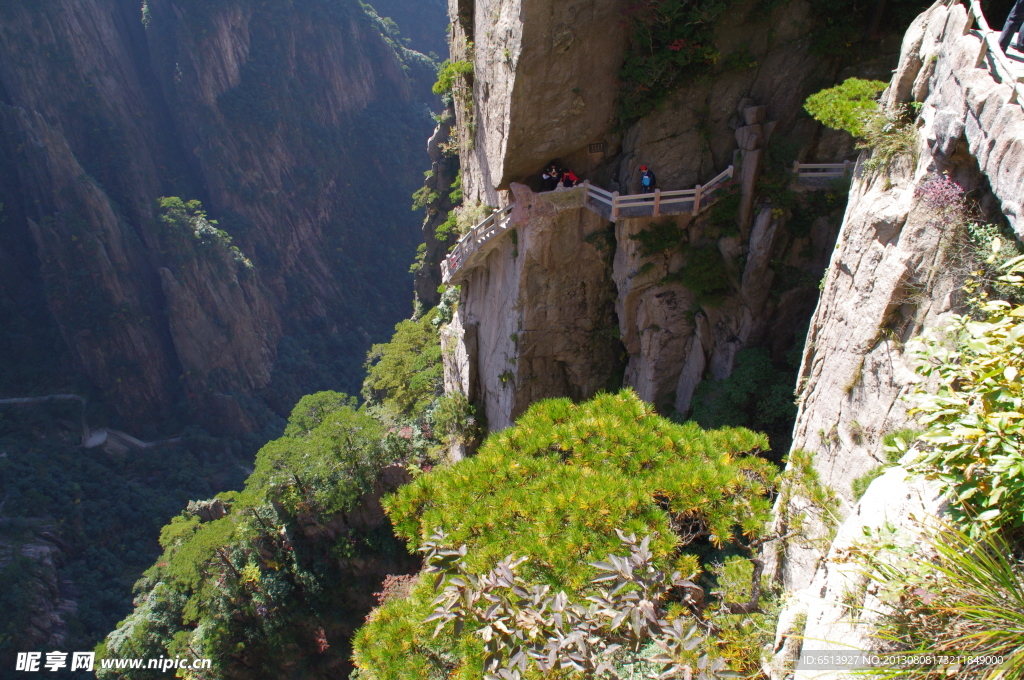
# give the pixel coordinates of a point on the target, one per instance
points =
(647, 180)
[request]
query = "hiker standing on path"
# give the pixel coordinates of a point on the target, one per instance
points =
(647, 180)
(1013, 25)
(550, 177)
(569, 179)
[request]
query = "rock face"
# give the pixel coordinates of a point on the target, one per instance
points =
(540, 91)
(32, 571)
(840, 607)
(546, 79)
(291, 122)
(544, 83)
(537, 319)
(572, 304)
(896, 271)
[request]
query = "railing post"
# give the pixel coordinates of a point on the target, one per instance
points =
(846, 168)
(796, 168)
(586, 190)
(982, 53)
(969, 24)
(696, 199)
(657, 202)
(615, 205)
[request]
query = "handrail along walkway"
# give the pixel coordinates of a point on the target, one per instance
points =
(608, 204)
(990, 47)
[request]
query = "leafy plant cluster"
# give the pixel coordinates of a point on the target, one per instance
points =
(670, 41)
(553, 489)
(757, 394)
(452, 75)
(269, 585)
(895, 446)
(527, 627)
(972, 443)
(852, 106)
(951, 605)
(703, 271)
(404, 388)
(847, 105)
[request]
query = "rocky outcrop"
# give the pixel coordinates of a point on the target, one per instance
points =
(527, 109)
(33, 571)
(840, 608)
(896, 271)
(546, 80)
(589, 308)
(537, 319)
(544, 77)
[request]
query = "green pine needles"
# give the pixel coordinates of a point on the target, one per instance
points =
(554, 489)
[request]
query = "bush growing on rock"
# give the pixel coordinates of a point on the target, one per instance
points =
(847, 105)
(553, 489)
(270, 586)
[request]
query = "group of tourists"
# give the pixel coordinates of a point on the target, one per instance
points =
(554, 177)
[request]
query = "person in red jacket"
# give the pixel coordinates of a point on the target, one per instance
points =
(569, 179)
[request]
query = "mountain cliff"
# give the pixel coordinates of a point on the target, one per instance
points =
(289, 121)
(684, 297)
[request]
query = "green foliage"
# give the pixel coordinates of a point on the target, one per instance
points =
(447, 306)
(725, 210)
(264, 587)
(704, 274)
(406, 372)
(847, 105)
(553, 489)
(991, 247)
(449, 73)
(891, 135)
(525, 627)
(98, 512)
(757, 395)
(423, 197)
(974, 423)
(179, 220)
(455, 420)
(671, 41)
(852, 106)
(949, 596)
(739, 61)
(660, 237)
(894, 444)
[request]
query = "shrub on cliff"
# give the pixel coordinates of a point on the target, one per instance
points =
(852, 106)
(554, 489)
(267, 585)
(406, 372)
(845, 106)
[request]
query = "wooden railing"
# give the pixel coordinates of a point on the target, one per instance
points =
(990, 48)
(493, 225)
(821, 170)
(653, 204)
(659, 202)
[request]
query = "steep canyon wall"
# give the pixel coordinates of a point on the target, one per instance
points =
(295, 124)
(545, 87)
